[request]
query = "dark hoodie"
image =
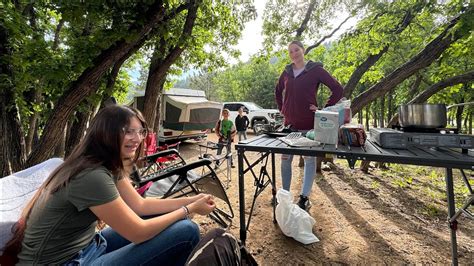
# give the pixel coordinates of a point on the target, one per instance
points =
(295, 95)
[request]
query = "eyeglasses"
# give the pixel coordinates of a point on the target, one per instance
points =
(131, 132)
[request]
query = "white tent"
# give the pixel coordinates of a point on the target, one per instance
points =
(184, 109)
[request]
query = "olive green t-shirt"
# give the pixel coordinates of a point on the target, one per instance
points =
(56, 232)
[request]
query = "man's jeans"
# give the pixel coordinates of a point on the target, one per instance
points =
(170, 247)
(309, 173)
(242, 134)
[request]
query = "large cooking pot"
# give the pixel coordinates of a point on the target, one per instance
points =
(424, 115)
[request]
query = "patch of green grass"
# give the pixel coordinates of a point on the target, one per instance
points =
(375, 184)
(402, 177)
(433, 194)
(385, 174)
(420, 170)
(431, 210)
(400, 182)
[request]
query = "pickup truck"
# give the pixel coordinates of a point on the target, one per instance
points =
(258, 116)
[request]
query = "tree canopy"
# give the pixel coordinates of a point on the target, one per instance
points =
(61, 61)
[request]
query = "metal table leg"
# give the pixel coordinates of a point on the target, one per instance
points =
(243, 227)
(451, 210)
(274, 187)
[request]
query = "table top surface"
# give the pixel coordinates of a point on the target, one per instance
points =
(437, 157)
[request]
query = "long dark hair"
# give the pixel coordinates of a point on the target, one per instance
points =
(99, 147)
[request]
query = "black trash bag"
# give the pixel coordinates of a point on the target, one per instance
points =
(219, 247)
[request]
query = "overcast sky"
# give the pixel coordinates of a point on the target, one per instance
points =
(251, 41)
(252, 38)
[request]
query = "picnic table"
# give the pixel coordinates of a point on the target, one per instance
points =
(268, 146)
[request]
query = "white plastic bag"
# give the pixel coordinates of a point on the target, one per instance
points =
(293, 221)
(343, 107)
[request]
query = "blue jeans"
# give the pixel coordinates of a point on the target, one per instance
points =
(309, 173)
(170, 247)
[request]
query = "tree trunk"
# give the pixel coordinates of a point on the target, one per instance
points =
(470, 123)
(373, 58)
(458, 116)
(423, 59)
(32, 123)
(382, 112)
(389, 105)
(162, 61)
(374, 114)
(360, 71)
(158, 117)
(88, 82)
(60, 150)
(415, 86)
(77, 130)
(367, 117)
(12, 154)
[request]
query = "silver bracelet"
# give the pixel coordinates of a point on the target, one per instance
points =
(186, 212)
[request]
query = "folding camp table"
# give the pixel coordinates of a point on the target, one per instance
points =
(269, 146)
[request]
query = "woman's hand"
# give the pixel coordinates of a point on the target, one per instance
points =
(203, 205)
(197, 197)
(313, 107)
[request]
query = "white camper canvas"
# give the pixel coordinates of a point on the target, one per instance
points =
(184, 114)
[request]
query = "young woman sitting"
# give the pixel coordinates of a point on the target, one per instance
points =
(58, 226)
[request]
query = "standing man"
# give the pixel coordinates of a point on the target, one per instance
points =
(241, 123)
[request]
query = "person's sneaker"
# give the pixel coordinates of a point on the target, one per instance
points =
(304, 203)
(325, 167)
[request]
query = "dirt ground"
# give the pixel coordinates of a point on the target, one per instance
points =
(374, 218)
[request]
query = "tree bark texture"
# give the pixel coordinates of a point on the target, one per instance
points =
(33, 119)
(459, 112)
(416, 85)
(470, 123)
(78, 127)
(389, 104)
(423, 59)
(156, 126)
(12, 142)
(382, 112)
(160, 65)
(372, 59)
(88, 82)
(360, 71)
(367, 117)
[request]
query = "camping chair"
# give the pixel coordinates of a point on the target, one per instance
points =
(177, 178)
(151, 147)
(217, 160)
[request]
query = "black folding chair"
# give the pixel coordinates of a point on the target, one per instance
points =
(176, 178)
(217, 160)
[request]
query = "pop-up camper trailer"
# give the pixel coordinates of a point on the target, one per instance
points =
(185, 114)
